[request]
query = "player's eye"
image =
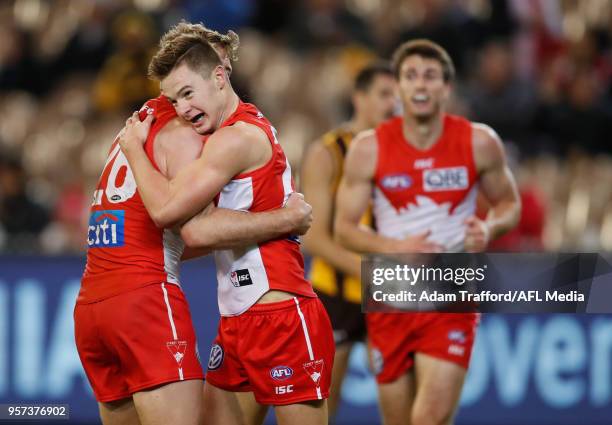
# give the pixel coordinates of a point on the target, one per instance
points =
(432, 75)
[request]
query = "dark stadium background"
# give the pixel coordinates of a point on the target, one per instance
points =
(537, 71)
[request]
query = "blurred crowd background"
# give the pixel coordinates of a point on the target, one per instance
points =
(537, 71)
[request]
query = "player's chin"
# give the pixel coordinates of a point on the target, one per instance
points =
(203, 129)
(422, 114)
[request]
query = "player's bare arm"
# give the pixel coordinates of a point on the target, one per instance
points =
(219, 228)
(228, 152)
(353, 199)
(318, 174)
(497, 185)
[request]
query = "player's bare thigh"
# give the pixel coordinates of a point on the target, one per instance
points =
(253, 413)
(439, 384)
(226, 407)
(175, 403)
(305, 413)
(341, 359)
(120, 412)
(396, 400)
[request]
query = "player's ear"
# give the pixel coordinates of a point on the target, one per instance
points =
(220, 76)
(448, 86)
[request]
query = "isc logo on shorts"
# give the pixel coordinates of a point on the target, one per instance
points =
(439, 179)
(241, 277)
(106, 229)
(281, 373)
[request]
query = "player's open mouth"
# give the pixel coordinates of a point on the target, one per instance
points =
(197, 118)
(420, 98)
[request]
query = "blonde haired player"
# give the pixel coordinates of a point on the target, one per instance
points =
(274, 342)
(132, 323)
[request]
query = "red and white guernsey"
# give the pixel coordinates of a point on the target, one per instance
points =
(420, 190)
(125, 248)
(244, 275)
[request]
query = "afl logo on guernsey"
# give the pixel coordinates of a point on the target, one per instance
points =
(439, 179)
(106, 229)
(396, 182)
(281, 373)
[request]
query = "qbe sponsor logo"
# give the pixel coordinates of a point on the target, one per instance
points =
(396, 182)
(281, 373)
(106, 229)
(241, 277)
(440, 179)
(215, 360)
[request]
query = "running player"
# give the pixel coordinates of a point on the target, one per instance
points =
(132, 323)
(335, 271)
(275, 341)
(422, 172)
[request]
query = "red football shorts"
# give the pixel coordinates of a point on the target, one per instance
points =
(282, 351)
(395, 338)
(136, 340)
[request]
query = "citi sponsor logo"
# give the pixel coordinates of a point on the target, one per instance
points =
(281, 373)
(396, 182)
(106, 229)
(441, 179)
(421, 164)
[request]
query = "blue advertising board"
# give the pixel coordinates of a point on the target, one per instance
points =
(527, 369)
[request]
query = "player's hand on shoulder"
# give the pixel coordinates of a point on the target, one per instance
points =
(135, 132)
(418, 243)
(476, 235)
(300, 212)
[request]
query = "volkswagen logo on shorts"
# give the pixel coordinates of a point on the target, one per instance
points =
(281, 373)
(216, 357)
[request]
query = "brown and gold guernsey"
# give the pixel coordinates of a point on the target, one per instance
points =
(325, 278)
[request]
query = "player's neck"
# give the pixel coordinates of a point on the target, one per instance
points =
(357, 125)
(422, 134)
(231, 105)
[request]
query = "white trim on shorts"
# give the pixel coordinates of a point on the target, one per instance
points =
(174, 334)
(307, 337)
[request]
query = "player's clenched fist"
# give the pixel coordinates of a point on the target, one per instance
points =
(135, 132)
(302, 213)
(476, 235)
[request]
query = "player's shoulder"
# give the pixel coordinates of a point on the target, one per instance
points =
(486, 144)
(390, 124)
(157, 106)
(238, 137)
(484, 137)
(364, 147)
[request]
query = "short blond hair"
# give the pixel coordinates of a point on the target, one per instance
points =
(180, 39)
